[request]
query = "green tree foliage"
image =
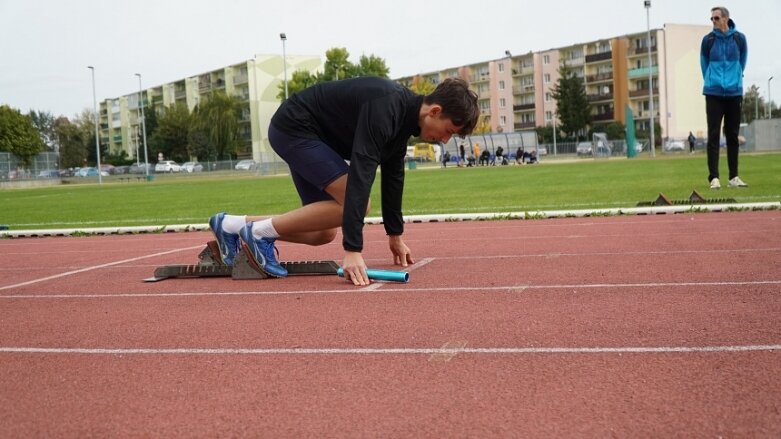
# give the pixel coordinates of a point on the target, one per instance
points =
(752, 104)
(421, 86)
(572, 105)
(85, 121)
(337, 66)
(18, 135)
(219, 115)
(614, 130)
(172, 134)
(43, 121)
(73, 150)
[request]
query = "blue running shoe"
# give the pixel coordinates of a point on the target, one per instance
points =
(228, 242)
(261, 253)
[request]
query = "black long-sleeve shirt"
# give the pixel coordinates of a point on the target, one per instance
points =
(367, 121)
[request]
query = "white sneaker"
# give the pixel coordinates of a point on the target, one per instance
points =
(715, 183)
(736, 182)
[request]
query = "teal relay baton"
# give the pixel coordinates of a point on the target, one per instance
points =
(395, 276)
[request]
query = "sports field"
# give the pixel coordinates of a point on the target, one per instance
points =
(580, 184)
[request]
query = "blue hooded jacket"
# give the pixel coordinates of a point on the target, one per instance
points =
(723, 65)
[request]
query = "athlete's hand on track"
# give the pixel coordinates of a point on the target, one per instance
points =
(355, 269)
(401, 253)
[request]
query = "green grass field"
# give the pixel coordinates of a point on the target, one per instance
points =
(582, 184)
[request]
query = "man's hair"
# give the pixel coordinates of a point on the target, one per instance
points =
(722, 9)
(459, 104)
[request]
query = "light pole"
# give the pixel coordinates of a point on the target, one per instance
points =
(769, 100)
(756, 104)
(143, 124)
(283, 37)
(97, 133)
(647, 4)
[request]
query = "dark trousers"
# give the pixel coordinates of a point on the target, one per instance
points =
(725, 108)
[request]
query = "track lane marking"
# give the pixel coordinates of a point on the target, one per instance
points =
(95, 267)
(507, 288)
(444, 351)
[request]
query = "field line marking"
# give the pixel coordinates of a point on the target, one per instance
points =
(443, 351)
(519, 288)
(96, 267)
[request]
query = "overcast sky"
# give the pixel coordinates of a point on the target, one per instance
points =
(46, 45)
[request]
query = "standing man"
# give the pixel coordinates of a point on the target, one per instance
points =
(366, 121)
(691, 140)
(723, 54)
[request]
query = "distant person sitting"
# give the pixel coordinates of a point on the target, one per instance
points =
(485, 157)
(470, 161)
(500, 158)
(519, 155)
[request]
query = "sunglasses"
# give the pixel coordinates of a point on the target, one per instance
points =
(715, 18)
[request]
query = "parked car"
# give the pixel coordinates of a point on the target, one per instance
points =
(119, 170)
(192, 167)
(584, 149)
(246, 165)
(138, 168)
(675, 145)
(105, 167)
(167, 166)
(90, 172)
(49, 173)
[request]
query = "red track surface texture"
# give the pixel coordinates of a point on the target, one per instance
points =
(647, 326)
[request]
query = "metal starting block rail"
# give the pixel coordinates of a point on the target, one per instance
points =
(211, 266)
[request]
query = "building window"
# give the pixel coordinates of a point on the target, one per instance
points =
(547, 97)
(546, 78)
(548, 116)
(501, 85)
(502, 120)
(546, 59)
(501, 66)
(502, 103)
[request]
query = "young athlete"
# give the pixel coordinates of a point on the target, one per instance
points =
(333, 137)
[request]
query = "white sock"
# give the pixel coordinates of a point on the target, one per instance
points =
(233, 223)
(264, 229)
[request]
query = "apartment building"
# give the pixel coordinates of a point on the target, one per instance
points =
(255, 81)
(516, 91)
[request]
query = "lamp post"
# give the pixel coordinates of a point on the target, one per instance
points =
(97, 133)
(769, 100)
(756, 104)
(647, 4)
(143, 125)
(283, 37)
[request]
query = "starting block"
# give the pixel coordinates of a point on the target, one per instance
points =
(210, 265)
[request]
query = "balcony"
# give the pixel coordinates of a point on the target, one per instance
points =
(240, 79)
(600, 77)
(180, 94)
(524, 125)
(644, 50)
(600, 97)
(643, 92)
(643, 72)
(601, 117)
(523, 107)
(599, 57)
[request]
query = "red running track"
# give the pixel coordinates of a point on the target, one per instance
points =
(643, 326)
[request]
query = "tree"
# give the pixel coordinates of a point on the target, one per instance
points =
(18, 135)
(614, 130)
(421, 86)
(73, 152)
(572, 104)
(173, 131)
(752, 103)
(337, 66)
(220, 115)
(483, 125)
(85, 121)
(372, 66)
(43, 121)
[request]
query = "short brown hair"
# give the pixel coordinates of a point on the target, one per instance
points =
(459, 103)
(722, 9)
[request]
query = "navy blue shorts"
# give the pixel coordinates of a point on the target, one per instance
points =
(313, 164)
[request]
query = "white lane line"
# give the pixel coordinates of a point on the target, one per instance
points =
(96, 267)
(393, 351)
(476, 289)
